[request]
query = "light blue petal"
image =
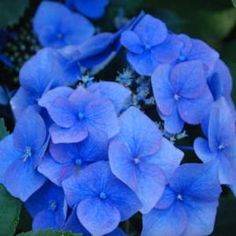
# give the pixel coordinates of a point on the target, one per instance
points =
(97, 216)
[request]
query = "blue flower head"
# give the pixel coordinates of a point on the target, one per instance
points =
(21, 153)
(101, 200)
(77, 116)
(221, 145)
(68, 159)
(188, 205)
(181, 93)
(56, 26)
(47, 207)
(92, 8)
(141, 158)
(149, 44)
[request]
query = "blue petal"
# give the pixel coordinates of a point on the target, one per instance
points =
(97, 216)
(48, 98)
(192, 111)
(201, 51)
(168, 158)
(62, 112)
(118, 94)
(8, 154)
(221, 129)
(197, 213)
(171, 222)
(74, 134)
(134, 135)
(202, 150)
(47, 74)
(132, 42)
(198, 181)
(151, 31)
(162, 89)
(22, 180)
(30, 131)
(54, 171)
(94, 8)
(167, 199)
(188, 79)
(22, 100)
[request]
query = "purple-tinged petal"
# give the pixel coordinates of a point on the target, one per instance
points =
(201, 217)
(118, 94)
(171, 221)
(68, 135)
(8, 154)
(192, 111)
(201, 51)
(97, 216)
(188, 79)
(48, 98)
(131, 41)
(162, 89)
(30, 131)
(135, 135)
(54, 171)
(202, 150)
(62, 112)
(22, 180)
(151, 31)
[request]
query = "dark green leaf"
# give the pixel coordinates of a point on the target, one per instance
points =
(3, 130)
(234, 2)
(11, 11)
(9, 213)
(48, 233)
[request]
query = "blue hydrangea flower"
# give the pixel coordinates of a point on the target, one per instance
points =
(101, 200)
(47, 207)
(188, 205)
(78, 115)
(44, 71)
(72, 224)
(67, 159)
(92, 8)
(56, 26)
(181, 93)
(195, 49)
(221, 145)
(21, 153)
(139, 157)
(149, 44)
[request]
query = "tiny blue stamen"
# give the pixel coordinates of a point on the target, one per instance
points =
(176, 97)
(28, 153)
(221, 147)
(78, 161)
(136, 160)
(102, 195)
(81, 115)
(180, 197)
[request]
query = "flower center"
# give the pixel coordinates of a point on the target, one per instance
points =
(136, 160)
(180, 197)
(81, 116)
(102, 196)
(176, 97)
(182, 58)
(52, 205)
(28, 153)
(221, 147)
(59, 35)
(78, 162)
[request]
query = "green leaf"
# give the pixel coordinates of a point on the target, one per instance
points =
(234, 3)
(11, 11)
(48, 233)
(3, 130)
(9, 213)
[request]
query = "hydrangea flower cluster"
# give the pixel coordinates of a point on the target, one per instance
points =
(85, 157)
